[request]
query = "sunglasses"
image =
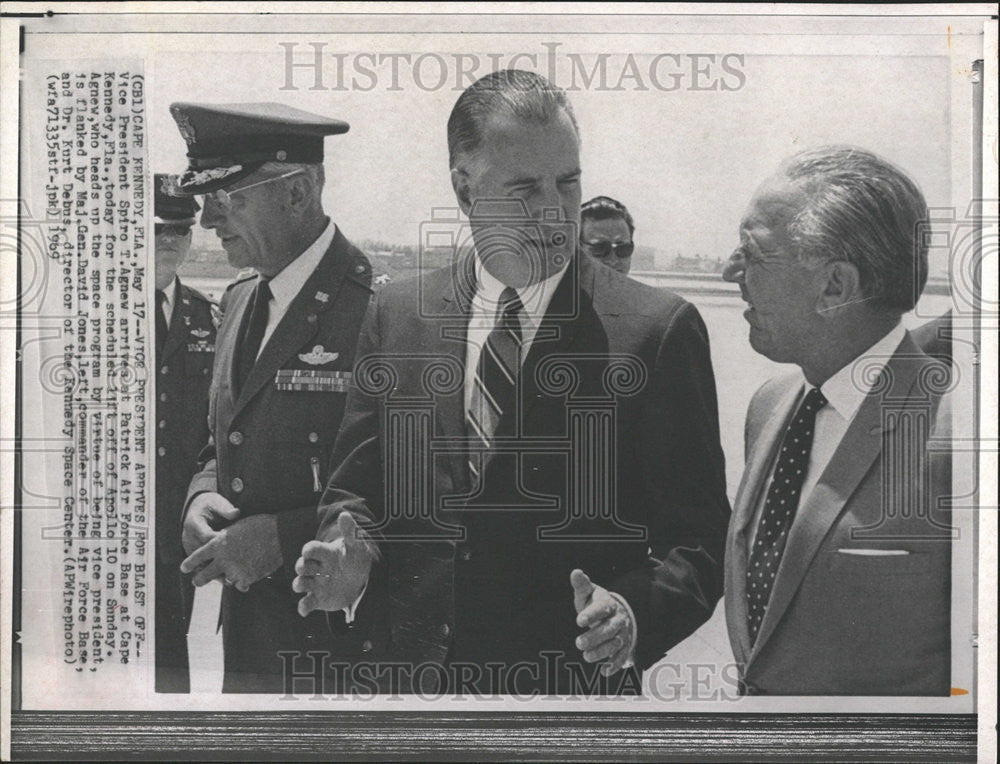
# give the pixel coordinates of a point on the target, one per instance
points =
(605, 248)
(224, 199)
(172, 229)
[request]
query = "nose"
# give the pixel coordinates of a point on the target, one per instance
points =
(735, 268)
(548, 204)
(211, 213)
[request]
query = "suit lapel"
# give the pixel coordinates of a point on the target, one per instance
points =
(301, 321)
(456, 307)
(755, 477)
(569, 314)
(861, 445)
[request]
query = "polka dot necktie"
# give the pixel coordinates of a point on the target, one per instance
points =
(779, 508)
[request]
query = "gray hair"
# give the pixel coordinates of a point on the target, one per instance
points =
(866, 211)
(516, 93)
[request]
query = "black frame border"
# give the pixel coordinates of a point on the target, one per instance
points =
(489, 736)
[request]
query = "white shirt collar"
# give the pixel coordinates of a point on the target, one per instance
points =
(535, 297)
(170, 296)
(846, 391)
(289, 282)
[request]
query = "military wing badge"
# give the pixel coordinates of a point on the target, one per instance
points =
(318, 356)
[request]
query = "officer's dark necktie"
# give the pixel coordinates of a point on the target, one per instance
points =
(495, 385)
(161, 324)
(252, 333)
(779, 508)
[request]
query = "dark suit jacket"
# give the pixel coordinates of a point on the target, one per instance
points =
(935, 337)
(182, 383)
(183, 376)
(271, 451)
(626, 352)
(843, 623)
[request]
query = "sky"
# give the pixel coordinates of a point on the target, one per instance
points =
(684, 160)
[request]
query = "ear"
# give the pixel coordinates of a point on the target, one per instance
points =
(299, 192)
(842, 287)
(463, 193)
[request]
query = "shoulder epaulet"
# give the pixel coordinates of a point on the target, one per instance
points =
(359, 270)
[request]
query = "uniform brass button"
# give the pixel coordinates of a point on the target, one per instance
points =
(313, 437)
(236, 485)
(366, 646)
(236, 438)
(164, 370)
(161, 451)
(311, 318)
(163, 424)
(204, 372)
(359, 269)
(445, 630)
(466, 555)
(163, 396)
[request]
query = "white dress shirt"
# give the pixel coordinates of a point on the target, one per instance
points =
(170, 297)
(483, 317)
(286, 285)
(844, 392)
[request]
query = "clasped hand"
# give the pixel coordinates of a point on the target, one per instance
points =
(222, 546)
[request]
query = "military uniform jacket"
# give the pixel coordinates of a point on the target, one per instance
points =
(182, 384)
(497, 593)
(271, 449)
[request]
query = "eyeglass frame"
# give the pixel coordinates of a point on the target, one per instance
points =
(224, 198)
(178, 230)
(604, 248)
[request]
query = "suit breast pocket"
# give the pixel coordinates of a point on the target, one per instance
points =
(864, 569)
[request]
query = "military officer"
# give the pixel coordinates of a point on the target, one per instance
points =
(285, 353)
(185, 350)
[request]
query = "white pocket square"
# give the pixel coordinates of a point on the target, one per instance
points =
(875, 552)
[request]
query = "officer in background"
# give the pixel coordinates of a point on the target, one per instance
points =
(606, 230)
(286, 353)
(185, 350)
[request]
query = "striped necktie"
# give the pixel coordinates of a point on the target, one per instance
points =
(494, 388)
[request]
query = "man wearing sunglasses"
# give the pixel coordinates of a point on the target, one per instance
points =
(606, 230)
(185, 349)
(285, 354)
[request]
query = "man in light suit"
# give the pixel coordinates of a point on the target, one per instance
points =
(284, 354)
(570, 555)
(838, 554)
